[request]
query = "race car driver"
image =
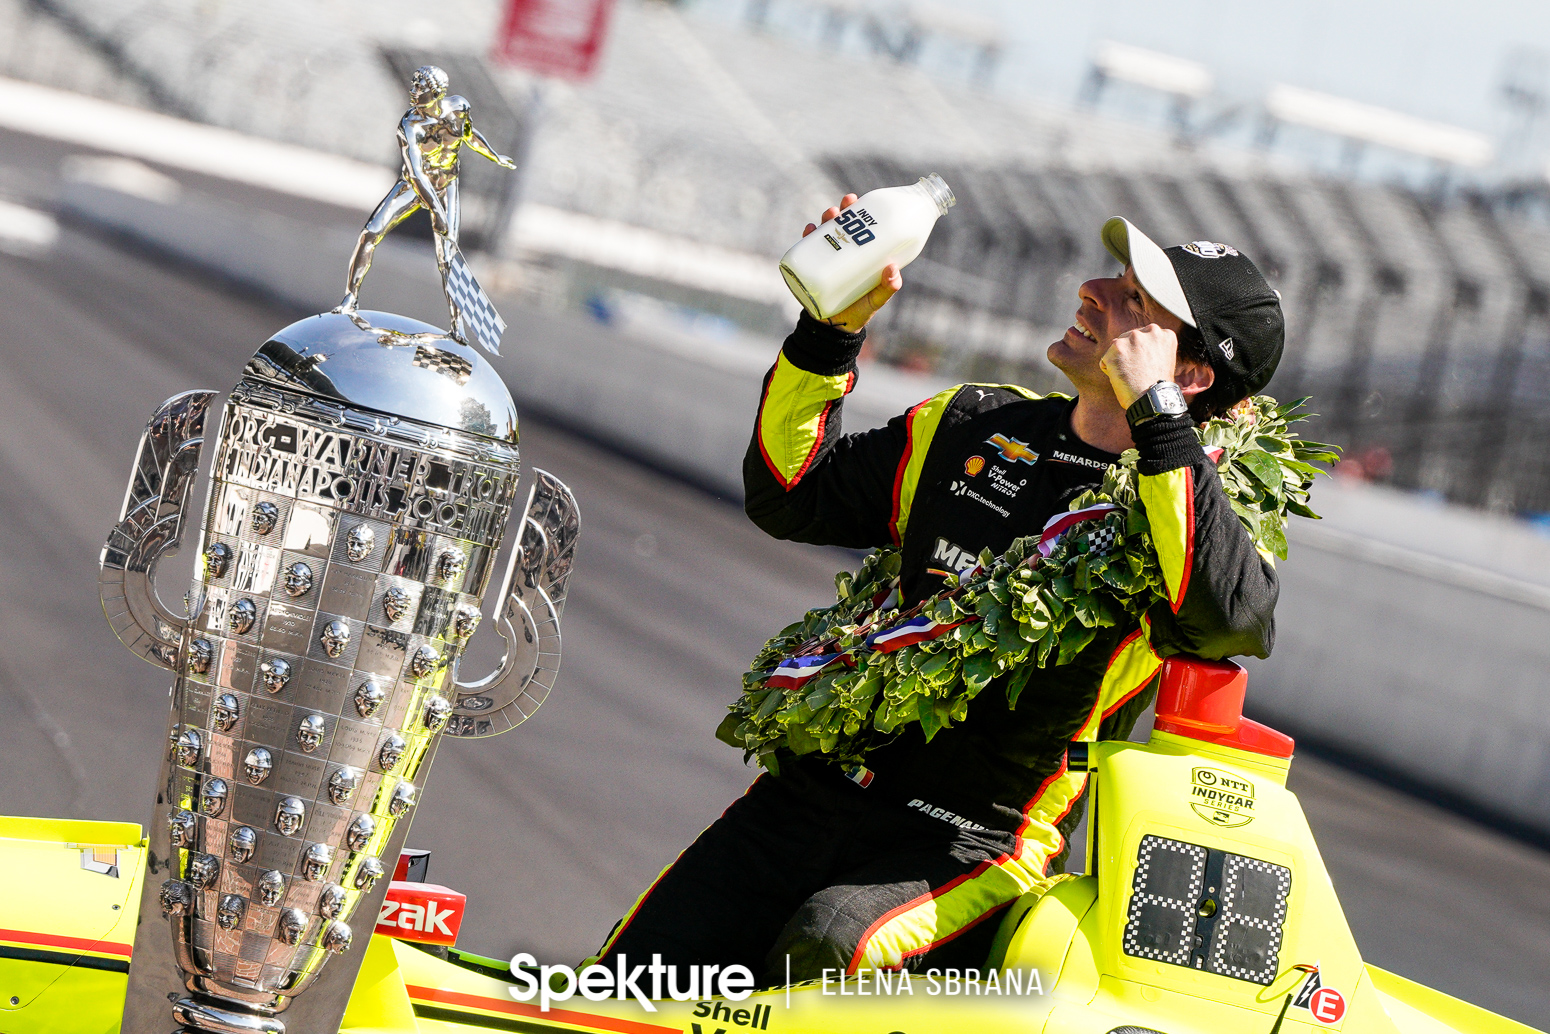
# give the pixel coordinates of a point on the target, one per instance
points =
(909, 861)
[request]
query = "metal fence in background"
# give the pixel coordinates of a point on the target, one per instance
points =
(1420, 325)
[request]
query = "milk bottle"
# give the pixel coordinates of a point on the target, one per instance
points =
(844, 258)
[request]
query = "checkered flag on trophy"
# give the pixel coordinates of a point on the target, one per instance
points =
(477, 309)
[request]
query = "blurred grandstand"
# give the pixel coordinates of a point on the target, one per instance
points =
(1419, 315)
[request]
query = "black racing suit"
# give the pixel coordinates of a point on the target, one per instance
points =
(944, 835)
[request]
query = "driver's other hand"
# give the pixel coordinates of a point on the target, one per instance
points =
(830, 213)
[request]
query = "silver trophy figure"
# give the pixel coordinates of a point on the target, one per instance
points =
(431, 136)
(362, 483)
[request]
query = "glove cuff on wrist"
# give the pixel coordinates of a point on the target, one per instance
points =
(1167, 443)
(822, 349)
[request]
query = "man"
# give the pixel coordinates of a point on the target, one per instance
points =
(430, 137)
(910, 862)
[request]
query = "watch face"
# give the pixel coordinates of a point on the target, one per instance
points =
(1170, 399)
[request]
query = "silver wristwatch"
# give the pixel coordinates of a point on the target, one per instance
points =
(1162, 399)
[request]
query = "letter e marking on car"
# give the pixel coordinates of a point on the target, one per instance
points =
(1327, 1005)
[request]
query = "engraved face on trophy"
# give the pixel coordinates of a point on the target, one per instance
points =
(450, 565)
(212, 797)
(402, 799)
(358, 835)
(257, 765)
(244, 613)
(271, 888)
(176, 898)
(298, 580)
(359, 542)
(293, 923)
(228, 914)
(315, 863)
(337, 938)
(200, 654)
(265, 516)
(342, 784)
(331, 902)
(203, 870)
(182, 826)
(391, 751)
(368, 873)
(335, 638)
(437, 708)
(224, 712)
(276, 672)
(423, 662)
(369, 697)
(464, 621)
(190, 744)
(289, 815)
(310, 733)
(217, 559)
(395, 603)
(242, 843)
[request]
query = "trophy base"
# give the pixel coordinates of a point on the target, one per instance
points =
(205, 1018)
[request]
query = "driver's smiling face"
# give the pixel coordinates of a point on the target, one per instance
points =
(1111, 306)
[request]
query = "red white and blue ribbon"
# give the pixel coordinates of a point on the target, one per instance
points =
(915, 630)
(1056, 527)
(794, 671)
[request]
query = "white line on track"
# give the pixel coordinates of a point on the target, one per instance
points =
(24, 229)
(209, 150)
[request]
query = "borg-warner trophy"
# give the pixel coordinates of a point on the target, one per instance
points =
(361, 485)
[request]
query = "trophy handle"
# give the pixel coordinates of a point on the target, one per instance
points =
(149, 527)
(532, 598)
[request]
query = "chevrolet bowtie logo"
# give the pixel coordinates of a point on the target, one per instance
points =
(1012, 450)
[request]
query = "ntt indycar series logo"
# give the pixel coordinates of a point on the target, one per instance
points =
(655, 981)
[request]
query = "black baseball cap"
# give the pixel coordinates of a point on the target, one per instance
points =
(1221, 293)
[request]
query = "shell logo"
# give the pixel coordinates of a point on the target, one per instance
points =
(974, 465)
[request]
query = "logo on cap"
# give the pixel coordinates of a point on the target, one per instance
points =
(1226, 347)
(1206, 249)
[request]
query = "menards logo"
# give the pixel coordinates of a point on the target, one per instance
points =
(1221, 797)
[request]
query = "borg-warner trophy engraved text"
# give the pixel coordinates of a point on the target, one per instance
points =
(362, 484)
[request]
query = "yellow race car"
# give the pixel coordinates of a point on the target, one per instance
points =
(1206, 909)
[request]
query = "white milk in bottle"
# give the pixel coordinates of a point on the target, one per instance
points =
(844, 258)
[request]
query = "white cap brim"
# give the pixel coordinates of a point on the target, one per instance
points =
(1153, 270)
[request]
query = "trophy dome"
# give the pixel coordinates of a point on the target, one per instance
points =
(420, 374)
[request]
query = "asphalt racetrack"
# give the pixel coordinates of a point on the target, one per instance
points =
(552, 831)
